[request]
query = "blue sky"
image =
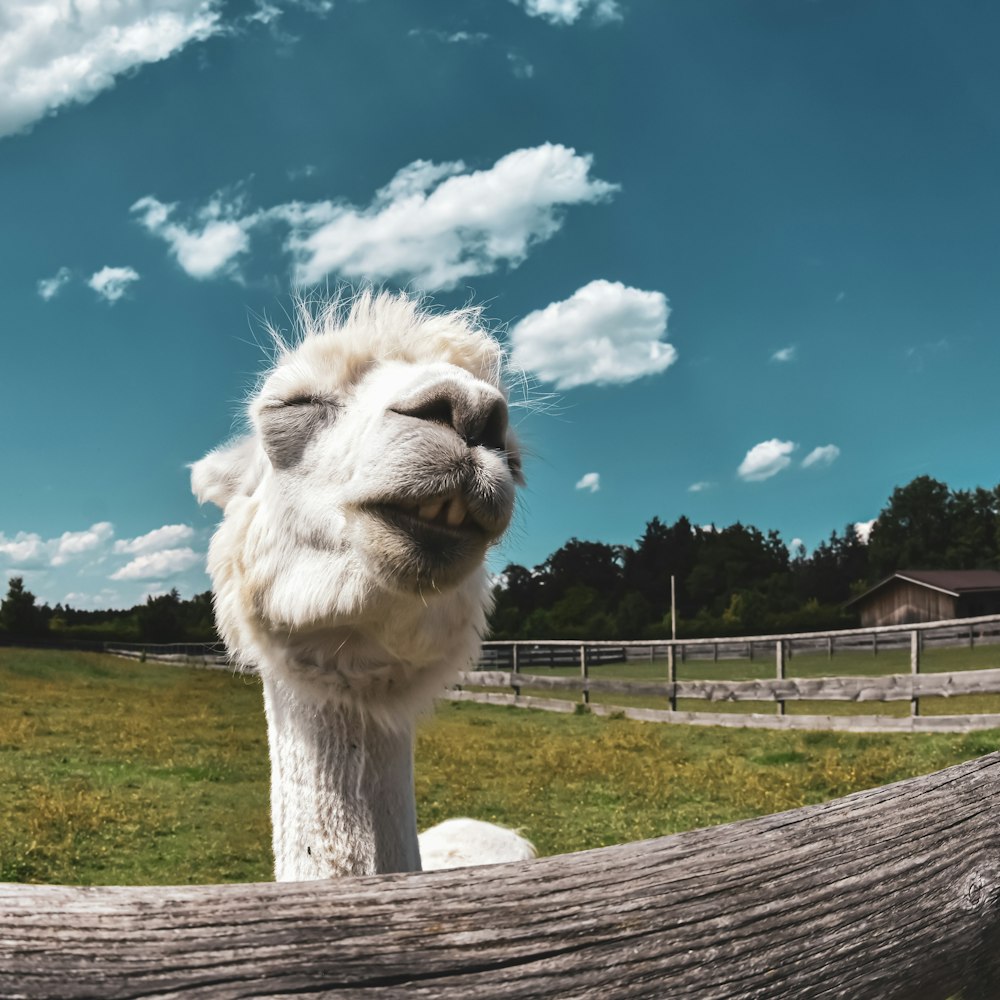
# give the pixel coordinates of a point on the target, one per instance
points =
(748, 249)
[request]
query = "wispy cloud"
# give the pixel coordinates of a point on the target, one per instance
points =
(765, 460)
(432, 225)
(49, 288)
(158, 565)
(56, 53)
(167, 537)
(863, 529)
(785, 354)
(28, 549)
(590, 481)
(209, 244)
(565, 12)
(436, 224)
(450, 37)
(821, 457)
(700, 487)
(603, 333)
(111, 283)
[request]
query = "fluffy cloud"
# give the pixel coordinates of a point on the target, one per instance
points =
(590, 481)
(111, 283)
(603, 333)
(210, 244)
(699, 487)
(570, 11)
(433, 224)
(167, 537)
(157, 565)
(863, 529)
(765, 460)
(75, 543)
(57, 52)
(49, 288)
(821, 457)
(436, 224)
(31, 550)
(785, 354)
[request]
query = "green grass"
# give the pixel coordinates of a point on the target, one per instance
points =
(120, 772)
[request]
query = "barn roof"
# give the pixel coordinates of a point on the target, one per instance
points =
(953, 582)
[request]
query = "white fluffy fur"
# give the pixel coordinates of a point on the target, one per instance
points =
(460, 842)
(352, 633)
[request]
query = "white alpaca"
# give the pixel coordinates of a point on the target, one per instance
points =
(349, 567)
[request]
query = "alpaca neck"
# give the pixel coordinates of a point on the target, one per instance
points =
(342, 799)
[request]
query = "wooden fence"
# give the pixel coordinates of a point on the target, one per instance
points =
(780, 690)
(888, 894)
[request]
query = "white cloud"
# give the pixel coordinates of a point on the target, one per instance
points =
(785, 354)
(821, 457)
(111, 283)
(157, 565)
(795, 544)
(603, 333)
(57, 52)
(75, 543)
(436, 224)
(590, 481)
(24, 549)
(570, 11)
(30, 549)
(167, 537)
(432, 225)
(765, 460)
(863, 529)
(699, 487)
(520, 66)
(211, 244)
(49, 288)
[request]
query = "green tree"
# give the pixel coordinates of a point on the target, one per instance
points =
(19, 614)
(160, 618)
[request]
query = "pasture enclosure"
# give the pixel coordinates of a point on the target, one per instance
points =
(886, 894)
(502, 666)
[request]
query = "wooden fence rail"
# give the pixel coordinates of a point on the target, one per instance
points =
(780, 690)
(888, 894)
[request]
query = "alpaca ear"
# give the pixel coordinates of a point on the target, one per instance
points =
(232, 470)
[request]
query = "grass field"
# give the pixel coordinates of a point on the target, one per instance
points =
(113, 771)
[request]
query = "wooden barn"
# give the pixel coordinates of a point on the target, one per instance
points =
(930, 595)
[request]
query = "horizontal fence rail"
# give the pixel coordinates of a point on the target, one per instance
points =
(887, 894)
(508, 665)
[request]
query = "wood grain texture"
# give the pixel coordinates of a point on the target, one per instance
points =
(888, 894)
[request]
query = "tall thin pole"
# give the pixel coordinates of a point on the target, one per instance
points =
(673, 607)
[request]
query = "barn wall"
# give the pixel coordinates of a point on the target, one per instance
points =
(901, 603)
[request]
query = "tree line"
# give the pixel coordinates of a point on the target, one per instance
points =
(739, 580)
(730, 580)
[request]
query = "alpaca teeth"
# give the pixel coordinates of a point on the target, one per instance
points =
(429, 511)
(456, 512)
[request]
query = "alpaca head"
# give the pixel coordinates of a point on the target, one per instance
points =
(358, 512)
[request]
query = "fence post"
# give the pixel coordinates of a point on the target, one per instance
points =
(672, 675)
(914, 670)
(779, 663)
(715, 652)
(513, 671)
(829, 647)
(750, 651)
(874, 643)
(584, 694)
(972, 636)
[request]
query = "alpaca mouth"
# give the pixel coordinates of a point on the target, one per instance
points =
(449, 515)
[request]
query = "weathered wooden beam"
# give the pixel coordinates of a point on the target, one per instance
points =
(888, 894)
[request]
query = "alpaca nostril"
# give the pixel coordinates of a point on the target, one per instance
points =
(489, 429)
(479, 418)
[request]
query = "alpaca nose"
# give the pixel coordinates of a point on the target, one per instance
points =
(478, 416)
